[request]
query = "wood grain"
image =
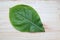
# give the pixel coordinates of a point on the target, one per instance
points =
(49, 12)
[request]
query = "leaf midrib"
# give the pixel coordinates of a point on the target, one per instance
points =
(31, 22)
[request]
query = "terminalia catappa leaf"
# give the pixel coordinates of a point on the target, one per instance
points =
(25, 19)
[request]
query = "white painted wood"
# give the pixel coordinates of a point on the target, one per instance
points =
(49, 11)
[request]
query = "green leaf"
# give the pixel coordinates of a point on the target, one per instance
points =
(25, 19)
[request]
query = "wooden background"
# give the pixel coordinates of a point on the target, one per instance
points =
(49, 11)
